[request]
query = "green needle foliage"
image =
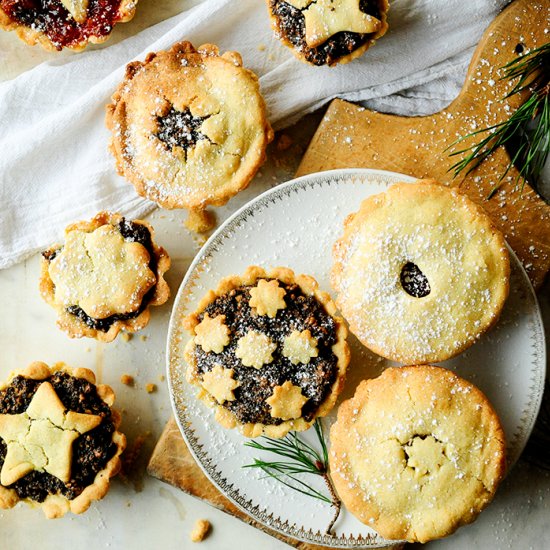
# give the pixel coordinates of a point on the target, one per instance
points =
(532, 72)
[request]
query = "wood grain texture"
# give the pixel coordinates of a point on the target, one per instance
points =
(351, 136)
(172, 463)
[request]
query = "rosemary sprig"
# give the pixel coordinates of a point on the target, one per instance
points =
(532, 72)
(301, 458)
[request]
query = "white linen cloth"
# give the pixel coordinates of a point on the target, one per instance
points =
(54, 164)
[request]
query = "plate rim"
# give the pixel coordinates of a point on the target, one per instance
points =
(526, 423)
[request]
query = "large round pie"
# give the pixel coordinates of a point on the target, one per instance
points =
(416, 453)
(267, 352)
(189, 126)
(421, 272)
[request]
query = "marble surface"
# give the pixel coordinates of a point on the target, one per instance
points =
(141, 512)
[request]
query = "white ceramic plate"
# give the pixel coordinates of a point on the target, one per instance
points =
(295, 225)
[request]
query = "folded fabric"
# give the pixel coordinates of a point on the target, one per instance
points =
(54, 164)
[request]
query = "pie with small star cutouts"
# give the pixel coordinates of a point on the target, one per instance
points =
(267, 352)
(58, 24)
(59, 439)
(189, 128)
(327, 32)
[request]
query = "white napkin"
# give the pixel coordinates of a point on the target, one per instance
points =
(54, 163)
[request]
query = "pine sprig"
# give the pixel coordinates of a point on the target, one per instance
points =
(301, 458)
(532, 75)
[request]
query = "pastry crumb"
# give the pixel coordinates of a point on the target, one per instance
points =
(200, 530)
(150, 388)
(127, 379)
(200, 221)
(261, 47)
(126, 336)
(143, 338)
(162, 378)
(284, 141)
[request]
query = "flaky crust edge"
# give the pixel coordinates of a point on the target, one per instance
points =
(115, 115)
(71, 324)
(353, 498)
(309, 286)
(126, 10)
(56, 506)
(384, 7)
(351, 224)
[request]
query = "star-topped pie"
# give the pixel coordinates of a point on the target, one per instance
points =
(58, 24)
(284, 355)
(59, 442)
(189, 128)
(105, 276)
(326, 32)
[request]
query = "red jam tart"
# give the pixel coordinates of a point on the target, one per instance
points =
(58, 24)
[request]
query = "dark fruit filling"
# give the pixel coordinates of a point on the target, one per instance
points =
(314, 378)
(291, 24)
(180, 128)
(91, 451)
(52, 18)
(132, 232)
(414, 282)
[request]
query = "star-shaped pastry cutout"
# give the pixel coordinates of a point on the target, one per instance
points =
(267, 297)
(255, 349)
(286, 402)
(219, 383)
(300, 347)
(77, 8)
(325, 18)
(41, 438)
(212, 334)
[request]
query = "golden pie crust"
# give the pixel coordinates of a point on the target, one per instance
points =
(453, 243)
(286, 400)
(229, 137)
(57, 505)
(327, 19)
(33, 36)
(125, 285)
(416, 453)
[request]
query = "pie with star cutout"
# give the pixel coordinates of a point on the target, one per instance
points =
(326, 32)
(59, 439)
(267, 352)
(105, 276)
(189, 128)
(58, 24)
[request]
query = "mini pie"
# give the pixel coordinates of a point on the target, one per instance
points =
(416, 453)
(105, 277)
(421, 272)
(267, 352)
(59, 439)
(189, 126)
(58, 24)
(326, 32)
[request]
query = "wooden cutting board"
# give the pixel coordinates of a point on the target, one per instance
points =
(350, 136)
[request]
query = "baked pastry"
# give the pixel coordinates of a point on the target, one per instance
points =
(267, 351)
(421, 272)
(189, 126)
(326, 32)
(58, 24)
(105, 277)
(416, 453)
(59, 439)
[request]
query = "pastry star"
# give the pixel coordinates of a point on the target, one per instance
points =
(286, 401)
(267, 298)
(325, 18)
(212, 334)
(300, 347)
(77, 8)
(255, 349)
(219, 383)
(41, 438)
